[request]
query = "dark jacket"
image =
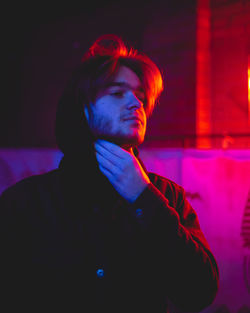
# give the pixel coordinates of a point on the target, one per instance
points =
(71, 243)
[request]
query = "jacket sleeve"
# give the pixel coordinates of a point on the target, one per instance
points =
(189, 268)
(13, 238)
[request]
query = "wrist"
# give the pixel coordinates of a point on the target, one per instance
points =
(138, 192)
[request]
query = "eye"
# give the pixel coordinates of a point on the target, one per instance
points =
(117, 94)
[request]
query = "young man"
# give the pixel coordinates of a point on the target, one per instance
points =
(100, 233)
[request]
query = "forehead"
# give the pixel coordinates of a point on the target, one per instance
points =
(128, 77)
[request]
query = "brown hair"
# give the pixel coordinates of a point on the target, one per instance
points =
(103, 60)
(98, 67)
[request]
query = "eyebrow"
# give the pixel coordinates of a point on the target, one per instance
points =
(124, 84)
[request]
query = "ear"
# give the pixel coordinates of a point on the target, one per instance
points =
(86, 112)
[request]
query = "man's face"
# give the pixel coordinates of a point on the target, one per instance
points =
(118, 113)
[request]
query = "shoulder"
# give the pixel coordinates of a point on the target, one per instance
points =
(29, 186)
(164, 183)
(170, 189)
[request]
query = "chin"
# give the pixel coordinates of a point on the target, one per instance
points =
(132, 141)
(124, 140)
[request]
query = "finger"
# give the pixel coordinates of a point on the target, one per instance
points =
(113, 148)
(107, 155)
(105, 163)
(106, 172)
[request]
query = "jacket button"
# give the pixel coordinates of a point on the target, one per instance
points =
(100, 273)
(139, 213)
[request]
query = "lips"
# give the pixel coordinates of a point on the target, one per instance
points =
(133, 118)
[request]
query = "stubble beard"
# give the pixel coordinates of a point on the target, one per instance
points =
(104, 129)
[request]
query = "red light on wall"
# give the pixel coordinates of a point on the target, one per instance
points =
(249, 91)
(248, 80)
(203, 72)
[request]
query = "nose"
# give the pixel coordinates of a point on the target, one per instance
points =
(134, 102)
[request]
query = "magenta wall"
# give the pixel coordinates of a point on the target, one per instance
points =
(217, 183)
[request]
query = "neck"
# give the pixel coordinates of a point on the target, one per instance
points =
(128, 148)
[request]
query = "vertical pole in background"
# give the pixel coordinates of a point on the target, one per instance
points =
(203, 74)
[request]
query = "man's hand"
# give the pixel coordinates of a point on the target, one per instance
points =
(122, 169)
